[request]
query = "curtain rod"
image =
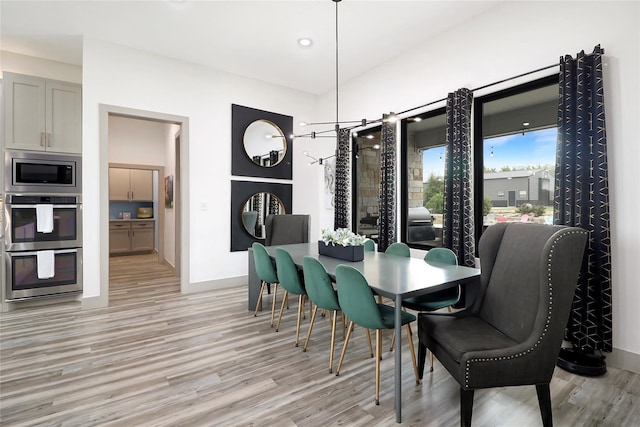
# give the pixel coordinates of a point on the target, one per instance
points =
(483, 87)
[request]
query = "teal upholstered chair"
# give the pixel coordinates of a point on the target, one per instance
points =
(369, 245)
(358, 303)
(321, 293)
(266, 271)
(290, 278)
(436, 300)
(398, 249)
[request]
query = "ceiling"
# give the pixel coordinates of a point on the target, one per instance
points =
(255, 39)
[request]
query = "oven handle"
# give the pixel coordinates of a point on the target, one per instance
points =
(31, 253)
(34, 206)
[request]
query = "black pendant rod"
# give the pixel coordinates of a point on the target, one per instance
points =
(337, 124)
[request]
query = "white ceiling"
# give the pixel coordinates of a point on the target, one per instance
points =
(256, 39)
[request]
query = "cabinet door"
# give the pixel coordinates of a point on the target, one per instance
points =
(119, 238)
(119, 184)
(24, 107)
(142, 236)
(141, 185)
(64, 118)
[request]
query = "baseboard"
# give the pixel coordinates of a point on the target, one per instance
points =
(622, 359)
(211, 285)
(95, 302)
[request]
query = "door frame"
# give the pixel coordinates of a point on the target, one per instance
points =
(182, 204)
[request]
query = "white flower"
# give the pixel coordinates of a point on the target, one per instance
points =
(342, 236)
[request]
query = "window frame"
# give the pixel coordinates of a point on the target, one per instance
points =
(478, 140)
(404, 167)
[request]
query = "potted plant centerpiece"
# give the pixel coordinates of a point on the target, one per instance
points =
(343, 244)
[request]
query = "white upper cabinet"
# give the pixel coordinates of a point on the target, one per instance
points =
(130, 184)
(42, 115)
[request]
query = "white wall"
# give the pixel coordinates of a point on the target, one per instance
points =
(170, 214)
(140, 142)
(153, 83)
(514, 38)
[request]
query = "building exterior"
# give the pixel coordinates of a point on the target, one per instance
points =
(513, 188)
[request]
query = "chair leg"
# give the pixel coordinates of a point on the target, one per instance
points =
(284, 301)
(369, 339)
(378, 357)
(413, 353)
(333, 339)
(344, 348)
(393, 340)
(466, 407)
(264, 285)
(313, 318)
(273, 303)
(422, 356)
(300, 313)
(430, 361)
(544, 400)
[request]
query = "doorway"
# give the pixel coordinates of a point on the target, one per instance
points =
(167, 163)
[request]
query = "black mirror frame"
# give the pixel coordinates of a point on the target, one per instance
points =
(241, 164)
(241, 240)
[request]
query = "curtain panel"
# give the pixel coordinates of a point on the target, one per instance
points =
(341, 213)
(387, 204)
(581, 195)
(458, 231)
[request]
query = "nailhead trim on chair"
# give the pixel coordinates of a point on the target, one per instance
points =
(546, 326)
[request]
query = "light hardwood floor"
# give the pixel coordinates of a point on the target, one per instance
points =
(155, 357)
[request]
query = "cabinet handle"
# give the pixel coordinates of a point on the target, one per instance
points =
(48, 140)
(42, 139)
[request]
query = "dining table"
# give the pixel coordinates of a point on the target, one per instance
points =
(390, 276)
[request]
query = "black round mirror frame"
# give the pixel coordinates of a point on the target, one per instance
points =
(241, 191)
(241, 163)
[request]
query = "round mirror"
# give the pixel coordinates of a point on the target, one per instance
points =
(264, 143)
(256, 209)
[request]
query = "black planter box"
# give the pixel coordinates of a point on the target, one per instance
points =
(347, 253)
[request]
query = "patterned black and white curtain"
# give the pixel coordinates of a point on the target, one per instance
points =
(387, 205)
(581, 196)
(256, 205)
(458, 219)
(342, 202)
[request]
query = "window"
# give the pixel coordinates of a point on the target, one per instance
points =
(515, 134)
(366, 182)
(514, 144)
(423, 154)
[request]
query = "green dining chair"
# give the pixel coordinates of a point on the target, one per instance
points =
(290, 278)
(436, 300)
(266, 272)
(321, 293)
(358, 303)
(398, 249)
(369, 245)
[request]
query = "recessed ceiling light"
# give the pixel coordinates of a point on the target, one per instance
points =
(305, 42)
(526, 124)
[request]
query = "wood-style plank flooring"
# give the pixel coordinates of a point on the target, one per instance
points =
(155, 357)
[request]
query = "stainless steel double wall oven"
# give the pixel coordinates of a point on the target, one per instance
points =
(42, 189)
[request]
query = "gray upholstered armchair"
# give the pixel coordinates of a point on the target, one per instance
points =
(286, 229)
(512, 333)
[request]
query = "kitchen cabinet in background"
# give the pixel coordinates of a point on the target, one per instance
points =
(130, 184)
(42, 114)
(131, 236)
